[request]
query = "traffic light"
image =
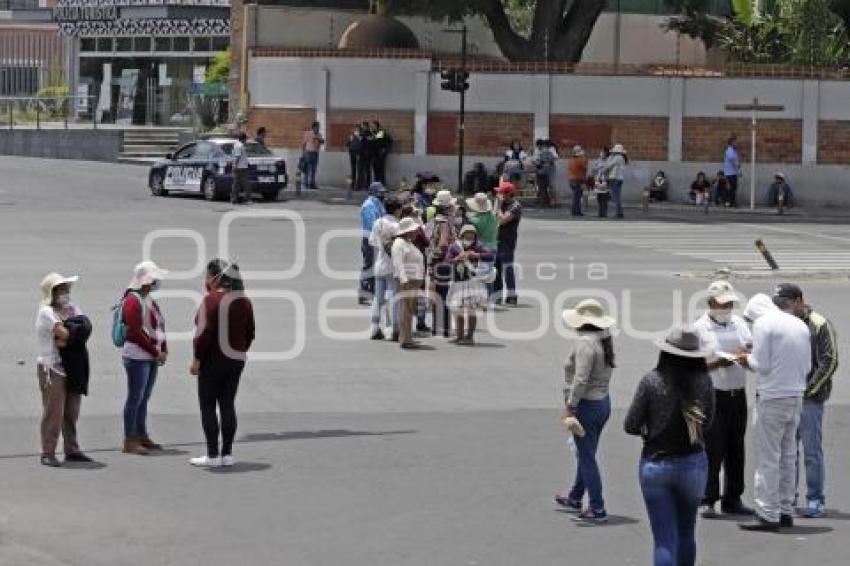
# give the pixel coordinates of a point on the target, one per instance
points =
(454, 80)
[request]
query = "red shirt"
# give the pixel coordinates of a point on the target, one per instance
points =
(131, 314)
(239, 320)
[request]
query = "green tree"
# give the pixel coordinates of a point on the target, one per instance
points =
(525, 30)
(219, 70)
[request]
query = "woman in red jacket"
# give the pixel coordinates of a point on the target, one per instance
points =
(218, 364)
(145, 349)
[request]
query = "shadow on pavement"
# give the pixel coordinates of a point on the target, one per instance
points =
(806, 530)
(166, 452)
(837, 515)
(613, 520)
(82, 466)
(240, 468)
(316, 434)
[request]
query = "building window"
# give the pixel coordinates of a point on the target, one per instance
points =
(104, 44)
(221, 43)
(181, 44)
(162, 44)
(202, 44)
(124, 44)
(88, 44)
(142, 44)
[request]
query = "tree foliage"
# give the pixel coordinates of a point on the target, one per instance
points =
(525, 30)
(219, 70)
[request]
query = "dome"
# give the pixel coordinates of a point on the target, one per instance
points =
(378, 32)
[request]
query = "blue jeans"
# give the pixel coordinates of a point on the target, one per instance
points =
(577, 194)
(672, 490)
(386, 288)
(810, 434)
(616, 188)
(592, 415)
(141, 377)
(311, 161)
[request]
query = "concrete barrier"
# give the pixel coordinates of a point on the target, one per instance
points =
(90, 145)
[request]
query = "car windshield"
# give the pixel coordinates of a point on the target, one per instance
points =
(252, 149)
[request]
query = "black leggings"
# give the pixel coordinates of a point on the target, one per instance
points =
(217, 386)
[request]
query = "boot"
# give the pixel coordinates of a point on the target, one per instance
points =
(146, 442)
(132, 445)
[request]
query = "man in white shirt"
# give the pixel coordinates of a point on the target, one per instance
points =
(725, 335)
(409, 268)
(383, 231)
(781, 358)
(241, 190)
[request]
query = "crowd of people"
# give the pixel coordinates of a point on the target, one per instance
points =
(224, 333)
(691, 413)
(368, 146)
(424, 252)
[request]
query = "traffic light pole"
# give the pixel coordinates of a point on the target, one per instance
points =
(462, 120)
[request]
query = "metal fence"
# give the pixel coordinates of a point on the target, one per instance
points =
(48, 112)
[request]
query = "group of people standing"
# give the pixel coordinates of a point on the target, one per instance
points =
(603, 179)
(424, 252)
(224, 333)
(368, 145)
(691, 412)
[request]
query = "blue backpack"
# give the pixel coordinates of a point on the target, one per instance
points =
(119, 327)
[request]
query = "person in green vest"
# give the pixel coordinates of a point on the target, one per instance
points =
(481, 216)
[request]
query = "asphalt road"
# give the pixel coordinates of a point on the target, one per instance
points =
(355, 452)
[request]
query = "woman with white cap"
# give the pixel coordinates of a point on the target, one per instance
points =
(672, 406)
(144, 350)
(61, 405)
(587, 371)
(614, 170)
(468, 291)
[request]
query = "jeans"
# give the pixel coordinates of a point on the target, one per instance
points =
(311, 162)
(367, 276)
(616, 188)
(385, 291)
(217, 385)
(725, 447)
(810, 434)
(672, 489)
(592, 415)
(141, 377)
(577, 194)
(505, 276)
(775, 431)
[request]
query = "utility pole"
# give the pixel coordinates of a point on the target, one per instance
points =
(456, 80)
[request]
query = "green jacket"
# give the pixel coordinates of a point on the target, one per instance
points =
(487, 226)
(824, 357)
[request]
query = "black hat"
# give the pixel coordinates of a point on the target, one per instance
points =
(787, 291)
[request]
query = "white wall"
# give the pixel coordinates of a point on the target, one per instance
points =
(488, 93)
(834, 100)
(708, 97)
(642, 96)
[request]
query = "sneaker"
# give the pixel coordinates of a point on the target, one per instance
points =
(591, 517)
(708, 511)
(78, 457)
(786, 521)
(760, 525)
(50, 461)
(422, 327)
(737, 509)
(228, 461)
(814, 510)
(205, 462)
(568, 504)
(378, 335)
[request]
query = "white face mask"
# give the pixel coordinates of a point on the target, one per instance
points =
(63, 299)
(721, 316)
(156, 285)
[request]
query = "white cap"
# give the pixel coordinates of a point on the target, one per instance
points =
(146, 273)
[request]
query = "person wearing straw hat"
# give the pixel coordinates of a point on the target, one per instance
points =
(614, 173)
(509, 214)
(144, 350)
(672, 406)
(725, 335)
(409, 269)
(587, 373)
(60, 404)
(442, 233)
(468, 291)
(577, 177)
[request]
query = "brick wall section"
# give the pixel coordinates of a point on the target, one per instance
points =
(777, 141)
(834, 142)
(398, 124)
(487, 133)
(285, 126)
(645, 138)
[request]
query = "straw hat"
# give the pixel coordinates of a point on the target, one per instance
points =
(506, 187)
(50, 282)
(479, 203)
(618, 149)
(444, 198)
(722, 292)
(146, 273)
(588, 311)
(683, 342)
(467, 228)
(406, 226)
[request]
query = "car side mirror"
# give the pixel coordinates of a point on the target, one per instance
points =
(169, 156)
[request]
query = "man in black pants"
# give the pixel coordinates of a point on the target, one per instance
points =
(381, 149)
(725, 334)
(509, 213)
(219, 364)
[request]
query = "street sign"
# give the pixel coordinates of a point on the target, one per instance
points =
(757, 108)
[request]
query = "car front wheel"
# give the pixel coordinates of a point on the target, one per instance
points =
(210, 190)
(157, 186)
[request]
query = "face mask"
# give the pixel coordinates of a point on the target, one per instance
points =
(720, 316)
(156, 285)
(63, 299)
(467, 243)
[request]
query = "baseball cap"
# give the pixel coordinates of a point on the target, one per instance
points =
(722, 292)
(787, 291)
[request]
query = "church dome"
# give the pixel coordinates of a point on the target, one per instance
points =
(378, 32)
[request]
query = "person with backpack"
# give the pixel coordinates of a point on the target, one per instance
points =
(442, 233)
(144, 351)
(224, 333)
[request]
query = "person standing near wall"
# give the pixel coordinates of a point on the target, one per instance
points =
(367, 146)
(241, 191)
(260, 138)
(614, 173)
(732, 170)
(311, 144)
(577, 177)
(383, 145)
(355, 150)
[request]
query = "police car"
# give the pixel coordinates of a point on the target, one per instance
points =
(205, 167)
